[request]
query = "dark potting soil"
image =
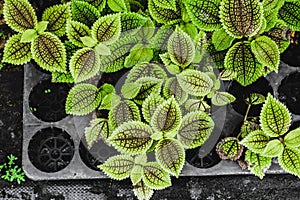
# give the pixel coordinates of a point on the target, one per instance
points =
(291, 56)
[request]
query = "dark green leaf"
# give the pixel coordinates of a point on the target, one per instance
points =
(290, 14)
(162, 15)
(131, 22)
(77, 30)
(278, 33)
(84, 12)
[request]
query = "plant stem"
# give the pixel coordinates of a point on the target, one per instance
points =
(247, 112)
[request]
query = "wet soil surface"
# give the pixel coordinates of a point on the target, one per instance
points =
(221, 187)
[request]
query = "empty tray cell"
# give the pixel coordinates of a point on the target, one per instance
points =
(95, 155)
(289, 92)
(261, 86)
(47, 101)
(51, 149)
(194, 157)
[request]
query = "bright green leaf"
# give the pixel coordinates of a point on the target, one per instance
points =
(29, 35)
(222, 98)
(290, 14)
(142, 192)
(292, 139)
(136, 174)
(229, 148)
(274, 148)
(109, 101)
(102, 49)
(196, 105)
(155, 177)
(150, 104)
(257, 164)
(227, 75)
(167, 4)
(170, 66)
(221, 39)
(130, 90)
(88, 41)
(140, 159)
(271, 5)
(117, 5)
(99, 4)
(172, 88)
(289, 160)
(60, 77)
(138, 56)
(98, 128)
(76, 31)
(132, 138)
(271, 19)
(163, 15)
(131, 22)
(256, 141)
(84, 12)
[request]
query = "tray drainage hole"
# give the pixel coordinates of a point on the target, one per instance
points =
(47, 100)
(194, 157)
(289, 92)
(96, 155)
(51, 149)
(261, 86)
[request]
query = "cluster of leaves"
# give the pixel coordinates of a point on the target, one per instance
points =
(270, 139)
(12, 172)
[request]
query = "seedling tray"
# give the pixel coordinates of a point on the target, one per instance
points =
(54, 145)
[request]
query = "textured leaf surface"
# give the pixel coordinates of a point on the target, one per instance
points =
(255, 99)
(99, 4)
(167, 4)
(142, 192)
(212, 57)
(82, 99)
(97, 129)
(222, 98)
(162, 15)
(16, 52)
(290, 13)
(266, 52)
(195, 129)
(107, 29)
(143, 53)
(49, 52)
(57, 17)
(241, 60)
(221, 39)
(270, 5)
(131, 22)
(241, 18)
(77, 30)
(130, 90)
(256, 141)
(132, 137)
(204, 13)
(271, 18)
(278, 34)
(146, 70)
(275, 118)
(170, 155)
(155, 177)
(84, 12)
(172, 88)
(229, 148)
(59, 77)
(257, 164)
(292, 139)
(181, 48)
(150, 105)
(196, 105)
(274, 148)
(19, 15)
(195, 82)
(167, 117)
(118, 167)
(123, 112)
(290, 161)
(136, 174)
(117, 5)
(248, 127)
(84, 64)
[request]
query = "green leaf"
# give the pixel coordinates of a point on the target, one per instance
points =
(241, 20)
(204, 13)
(161, 38)
(241, 60)
(146, 70)
(212, 57)
(155, 177)
(149, 85)
(274, 148)
(119, 51)
(257, 164)
(227, 75)
(170, 155)
(266, 52)
(172, 88)
(84, 12)
(275, 118)
(16, 52)
(229, 148)
(138, 56)
(167, 4)
(49, 52)
(271, 5)
(221, 39)
(131, 22)
(109, 101)
(163, 15)
(125, 111)
(256, 141)
(132, 138)
(136, 174)
(222, 98)
(147, 31)
(130, 90)
(117, 5)
(150, 105)
(181, 48)
(195, 129)
(107, 29)
(142, 192)
(118, 167)
(19, 15)
(195, 82)
(57, 17)
(271, 19)
(88, 41)
(41, 27)
(99, 4)
(167, 117)
(289, 160)
(292, 139)
(290, 14)
(82, 99)
(196, 105)
(76, 31)
(255, 99)
(248, 127)
(29, 35)
(59, 77)
(84, 64)
(140, 159)
(170, 66)
(102, 49)
(278, 34)
(98, 128)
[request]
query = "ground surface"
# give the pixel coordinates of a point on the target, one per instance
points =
(225, 187)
